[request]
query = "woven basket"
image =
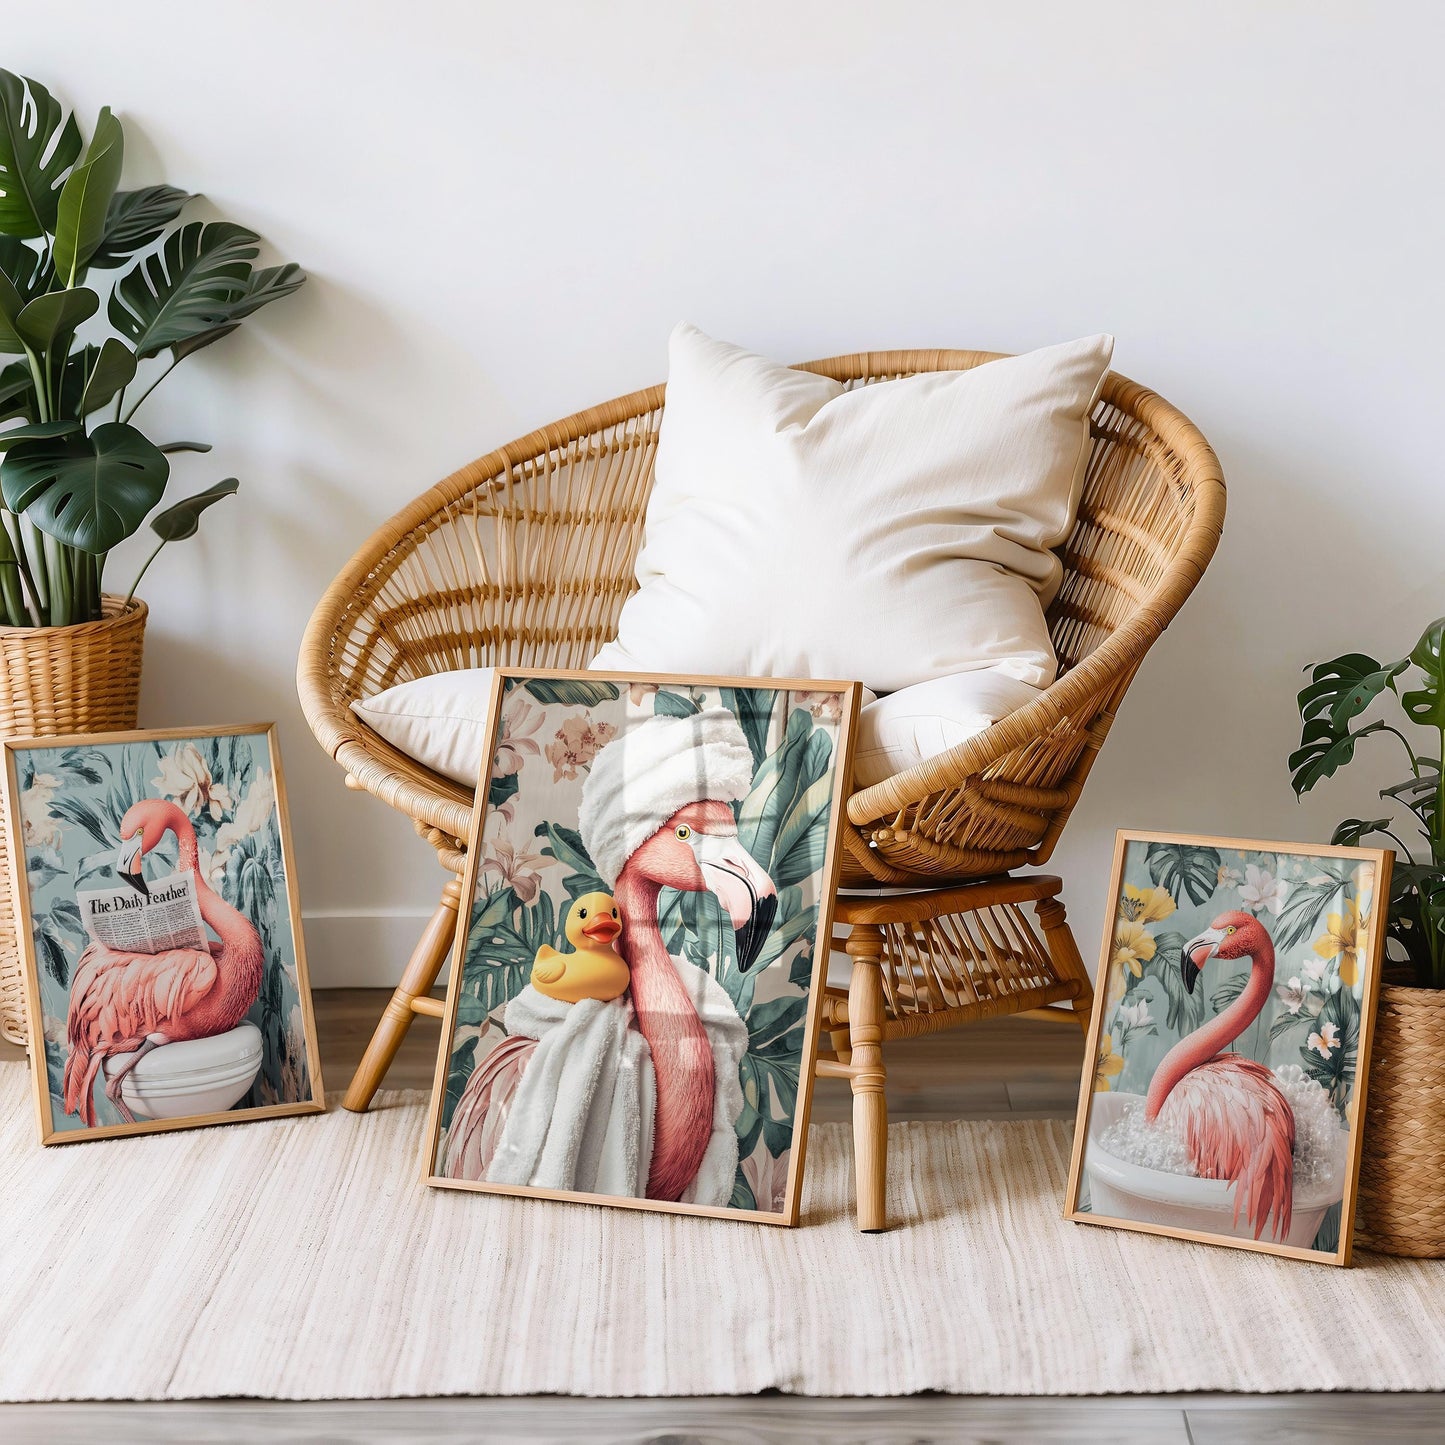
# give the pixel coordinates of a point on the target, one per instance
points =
(56, 680)
(1402, 1169)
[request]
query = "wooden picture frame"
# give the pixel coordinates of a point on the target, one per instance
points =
(1195, 1143)
(68, 799)
(719, 736)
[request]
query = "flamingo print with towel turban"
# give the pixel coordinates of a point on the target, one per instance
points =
(637, 1095)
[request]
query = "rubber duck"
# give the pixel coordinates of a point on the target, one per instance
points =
(595, 969)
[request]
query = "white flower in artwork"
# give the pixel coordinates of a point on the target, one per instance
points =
(255, 809)
(1135, 1015)
(1292, 995)
(1313, 970)
(37, 828)
(1261, 890)
(252, 815)
(767, 1177)
(1325, 1042)
(186, 778)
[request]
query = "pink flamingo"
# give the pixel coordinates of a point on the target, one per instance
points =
(1236, 1123)
(131, 1003)
(696, 849)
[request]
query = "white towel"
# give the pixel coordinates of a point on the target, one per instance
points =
(584, 1112)
(582, 1117)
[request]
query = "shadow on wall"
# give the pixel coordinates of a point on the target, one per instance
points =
(1201, 749)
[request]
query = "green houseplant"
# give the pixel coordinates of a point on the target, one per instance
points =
(1402, 1169)
(102, 295)
(1332, 706)
(78, 475)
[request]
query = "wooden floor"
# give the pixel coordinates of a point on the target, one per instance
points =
(1010, 1068)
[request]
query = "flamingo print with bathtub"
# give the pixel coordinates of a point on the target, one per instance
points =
(633, 1092)
(1242, 1125)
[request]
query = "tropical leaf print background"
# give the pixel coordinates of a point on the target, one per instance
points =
(533, 864)
(1317, 911)
(71, 803)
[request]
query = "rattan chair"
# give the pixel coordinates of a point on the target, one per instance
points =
(525, 557)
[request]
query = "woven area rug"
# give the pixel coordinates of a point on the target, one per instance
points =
(301, 1259)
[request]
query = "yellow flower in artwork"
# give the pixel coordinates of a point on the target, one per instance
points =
(1133, 946)
(1108, 1066)
(1147, 905)
(1342, 940)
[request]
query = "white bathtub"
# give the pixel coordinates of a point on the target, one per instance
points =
(1179, 1201)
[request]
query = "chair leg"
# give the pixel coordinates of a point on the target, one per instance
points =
(1065, 953)
(868, 1075)
(417, 980)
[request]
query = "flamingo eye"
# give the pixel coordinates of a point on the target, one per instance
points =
(684, 832)
(1230, 929)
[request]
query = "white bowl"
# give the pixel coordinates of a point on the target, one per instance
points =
(1179, 1201)
(195, 1076)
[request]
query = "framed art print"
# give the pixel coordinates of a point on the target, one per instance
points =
(1223, 1095)
(160, 931)
(635, 997)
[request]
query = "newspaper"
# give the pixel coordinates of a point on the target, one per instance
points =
(144, 917)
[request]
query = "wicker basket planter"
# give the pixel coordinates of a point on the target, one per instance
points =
(56, 680)
(1402, 1171)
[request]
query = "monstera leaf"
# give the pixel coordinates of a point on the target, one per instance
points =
(106, 372)
(1344, 687)
(48, 322)
(85, 198)
(1323, 751)
(88, 492)
(262, 288)
(36, 431)
(1426, 704)
(186, 289)
(1184, 869)
(38, 145)
(136, 218)
(183, 520)
(17, 392)
(1348, 833)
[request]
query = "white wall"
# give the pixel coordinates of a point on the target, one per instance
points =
(504, 207)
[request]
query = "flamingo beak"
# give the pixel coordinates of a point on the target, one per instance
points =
(744, 890)
(128, 864)
(1195, 954)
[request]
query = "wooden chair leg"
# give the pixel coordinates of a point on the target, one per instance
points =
(1065, 953)
(417, 981)
(868, 1075)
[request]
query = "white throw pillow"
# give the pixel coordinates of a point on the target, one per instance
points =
(441, 720)
(917, 723)
(895, 533)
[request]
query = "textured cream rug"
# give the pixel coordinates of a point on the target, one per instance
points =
(301, 1259)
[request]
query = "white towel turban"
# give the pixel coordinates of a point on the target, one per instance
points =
(649, 771)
